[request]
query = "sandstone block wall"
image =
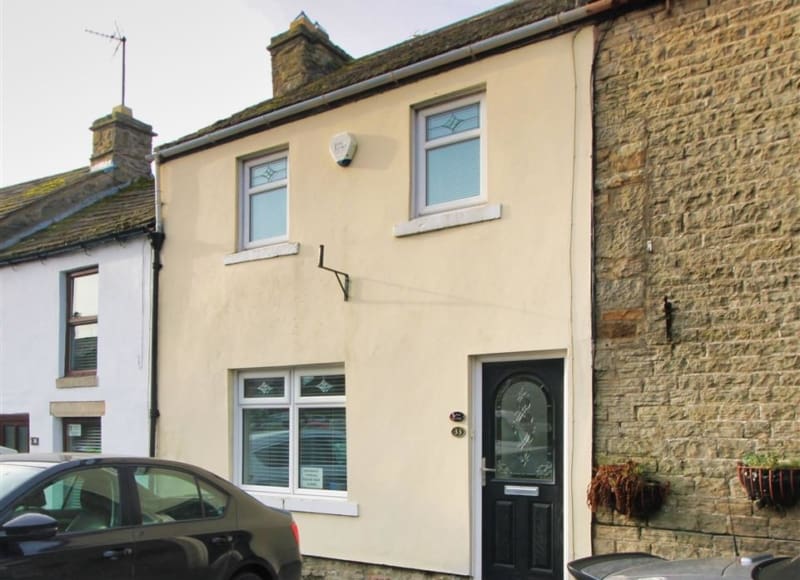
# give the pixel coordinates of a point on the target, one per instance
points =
(697, 199)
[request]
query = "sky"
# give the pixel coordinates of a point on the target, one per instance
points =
(189, 63)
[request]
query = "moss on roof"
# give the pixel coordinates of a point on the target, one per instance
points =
(129, 210)
(507, 17)
(16, 196)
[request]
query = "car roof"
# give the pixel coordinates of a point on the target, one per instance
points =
(76, 459)
(57, 462)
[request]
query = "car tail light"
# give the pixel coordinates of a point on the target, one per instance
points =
(296, 533)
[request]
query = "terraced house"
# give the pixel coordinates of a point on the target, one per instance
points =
(76, 255)
(376, 291)
(414, 297)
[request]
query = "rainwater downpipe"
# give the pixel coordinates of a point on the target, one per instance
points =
(470, 51)
(157, 242)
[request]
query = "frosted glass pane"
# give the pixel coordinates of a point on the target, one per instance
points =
(268, 214)
(453, 172)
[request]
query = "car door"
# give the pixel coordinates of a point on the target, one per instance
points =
(187, 527)
(92, 542)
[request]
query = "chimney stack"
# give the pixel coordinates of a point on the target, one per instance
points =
(301, 55)
(122, 142)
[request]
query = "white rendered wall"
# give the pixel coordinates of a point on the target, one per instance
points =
(32, 344)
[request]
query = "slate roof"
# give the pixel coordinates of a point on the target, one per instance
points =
(482, 26)
(72, 210)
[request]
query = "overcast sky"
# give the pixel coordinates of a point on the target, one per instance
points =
(189, 63)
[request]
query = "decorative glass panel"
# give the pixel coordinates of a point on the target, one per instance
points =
(323, 449)
(268, 214)
(453, 172)
(452, 122)
(269, 172)
(271, 387)
(322, 386)
(265, 457)
(84, 296)
(524, 430)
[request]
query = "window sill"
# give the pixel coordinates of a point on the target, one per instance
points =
(263, 253)
(450, 219)
(75, 382)
(316, 505)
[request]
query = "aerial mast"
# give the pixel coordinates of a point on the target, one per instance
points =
(121, 40)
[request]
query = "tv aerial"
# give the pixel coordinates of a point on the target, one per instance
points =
(121, 40)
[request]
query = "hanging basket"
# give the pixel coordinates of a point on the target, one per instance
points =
(770, 486)
(623, 488)
(646, 500)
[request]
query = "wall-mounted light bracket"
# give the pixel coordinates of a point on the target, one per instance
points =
(669, 312)
(341, 277)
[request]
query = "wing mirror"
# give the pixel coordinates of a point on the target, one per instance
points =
(30, 526)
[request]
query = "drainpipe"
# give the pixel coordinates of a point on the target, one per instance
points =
(156, 241)
(522, 34)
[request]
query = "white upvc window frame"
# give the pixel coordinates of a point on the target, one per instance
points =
(248, 191)
(294, 401)
(422, 145)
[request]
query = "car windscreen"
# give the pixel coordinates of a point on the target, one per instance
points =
(12, 475)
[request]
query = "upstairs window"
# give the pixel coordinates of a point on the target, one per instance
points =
(81, 341)
(265, 200)
(449, 156)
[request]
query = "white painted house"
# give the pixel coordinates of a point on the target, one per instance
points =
(76, 264)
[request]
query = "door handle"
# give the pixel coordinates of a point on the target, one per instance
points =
(117, 553)
(485, 470)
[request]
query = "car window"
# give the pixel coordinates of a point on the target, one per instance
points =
(168, 495)
(84, 500)
(13, 475)
(215, 502)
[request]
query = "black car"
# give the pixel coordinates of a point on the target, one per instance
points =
(81, 516)
(638, 566)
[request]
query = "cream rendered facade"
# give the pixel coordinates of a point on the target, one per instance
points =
(424, 312)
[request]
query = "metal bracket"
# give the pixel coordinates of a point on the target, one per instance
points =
(669, 312)
(342, 278)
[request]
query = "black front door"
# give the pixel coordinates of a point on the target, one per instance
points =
(521, 467)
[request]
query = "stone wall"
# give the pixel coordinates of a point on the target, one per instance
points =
(328, 569)
(697, 134)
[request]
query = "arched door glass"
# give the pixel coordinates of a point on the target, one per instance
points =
(524, 429)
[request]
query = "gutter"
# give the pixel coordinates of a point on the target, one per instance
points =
(42, 255)
(393, 77)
